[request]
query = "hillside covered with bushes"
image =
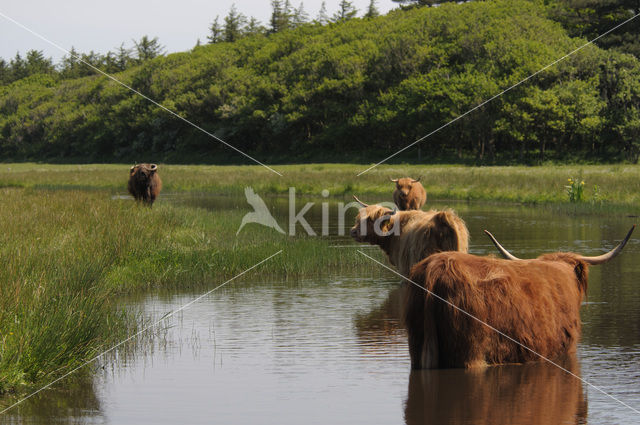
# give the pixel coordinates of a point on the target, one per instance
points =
(355, 90)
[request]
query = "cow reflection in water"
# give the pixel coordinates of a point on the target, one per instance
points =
(533, 393)
(381, 329)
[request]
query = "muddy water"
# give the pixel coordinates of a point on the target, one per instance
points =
(332, 350)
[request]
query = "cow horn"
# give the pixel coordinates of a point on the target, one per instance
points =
(359, 201)
(393, 180)
(600, 259)
(132, 167)
(154, 167)
(416, 181)
(506, 254)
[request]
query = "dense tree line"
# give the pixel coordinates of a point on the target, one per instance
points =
(74, 64)
(360, 87)
(590, 18)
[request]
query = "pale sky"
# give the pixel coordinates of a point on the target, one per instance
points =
(103, 25)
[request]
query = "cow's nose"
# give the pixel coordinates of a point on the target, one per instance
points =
(353, 233)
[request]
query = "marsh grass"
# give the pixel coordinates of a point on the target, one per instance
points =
(618, 185)
(70, 252)
(69, 256)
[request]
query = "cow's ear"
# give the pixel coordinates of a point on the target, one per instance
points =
(581, 270)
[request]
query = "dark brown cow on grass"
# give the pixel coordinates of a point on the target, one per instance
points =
(535, 302)
(409, 236)
(409, 194)
(144, 183)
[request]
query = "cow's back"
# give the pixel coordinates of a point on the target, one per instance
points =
(534, 302)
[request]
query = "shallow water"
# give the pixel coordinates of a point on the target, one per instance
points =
(331, 350)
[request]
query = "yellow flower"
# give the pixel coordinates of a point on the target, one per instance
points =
(582, 182)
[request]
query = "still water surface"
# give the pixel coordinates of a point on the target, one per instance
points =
(331, 350)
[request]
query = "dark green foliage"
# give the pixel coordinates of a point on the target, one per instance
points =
(354, 90)
(148, 48)
(590, 18)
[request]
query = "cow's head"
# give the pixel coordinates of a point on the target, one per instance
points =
(143, 172)
(374, 223)
(580, 263)
(404, 185)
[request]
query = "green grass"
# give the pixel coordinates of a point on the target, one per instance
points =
(619, 185)
(68, 256)
(70, 252)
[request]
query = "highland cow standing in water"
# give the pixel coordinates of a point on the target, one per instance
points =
(409, 194)
(144, 183)
(409, 236)
(466, 311)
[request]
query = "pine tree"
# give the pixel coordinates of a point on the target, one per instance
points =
(346, 11)
(254, 27)
(36, 63)
(5, 72)
(215, 31)
(123, 57)
(18, 67)
(148, 48)
(233, 25)
(323, 18)
(372, 10)
(280, 16)
(300, 16)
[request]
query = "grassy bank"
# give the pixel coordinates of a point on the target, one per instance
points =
(618, 185)
(68, 255)
(70, 248)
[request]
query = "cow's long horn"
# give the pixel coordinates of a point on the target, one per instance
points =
(611, 254)
(359, 201)
(506, 254)
(393, 180)
(416, 181)
(154, 167)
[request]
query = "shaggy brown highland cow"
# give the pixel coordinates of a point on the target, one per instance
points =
(409, 194)
(409, 236)
(534, 302)
(144, 183)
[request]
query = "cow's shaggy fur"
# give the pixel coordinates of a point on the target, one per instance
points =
(144, 183)
(412, 235)
(536, 302)
(409, 194)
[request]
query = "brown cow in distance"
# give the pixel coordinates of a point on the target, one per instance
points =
(144, 183)
(409, 236)
(409, 194)
(535, 302)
